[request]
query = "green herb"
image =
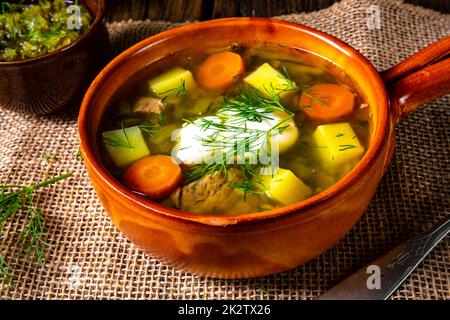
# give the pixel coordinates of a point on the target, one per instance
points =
(252, 181)
(263, 291)
(340, 134)
(79, 155)
(161, 119)
(8, 7)
(177, 91)
(49, 158)
(344, 147)
(117, 140)
(291, 85)
(32, 239)
(37, 28)
(205, 169)
(303, 88)
(18, 198)
(309, 94)
(148, 129)
(5, 270)
(248, 105)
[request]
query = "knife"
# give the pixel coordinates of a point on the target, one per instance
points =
(379, 279)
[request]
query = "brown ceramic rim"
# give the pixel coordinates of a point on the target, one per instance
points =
(380, 134)
(98, 19)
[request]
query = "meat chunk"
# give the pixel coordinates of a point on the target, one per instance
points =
(149, 105)
(213, 194)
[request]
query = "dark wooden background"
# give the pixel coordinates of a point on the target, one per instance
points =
(183, 10)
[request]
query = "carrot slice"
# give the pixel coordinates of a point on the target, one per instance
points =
(219, 70)
(155, 176)
(327, 102)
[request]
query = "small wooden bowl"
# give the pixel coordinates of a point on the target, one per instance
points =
(256, 244)
(59, 79)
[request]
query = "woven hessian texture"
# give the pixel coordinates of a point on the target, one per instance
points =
(90, 259)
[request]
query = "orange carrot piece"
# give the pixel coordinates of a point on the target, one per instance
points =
(327, 102)
(155, 176)
(219, 70)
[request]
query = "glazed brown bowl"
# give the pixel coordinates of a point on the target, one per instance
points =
(256, 244)
(59, 79)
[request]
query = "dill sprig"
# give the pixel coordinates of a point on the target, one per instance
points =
(19, 198)
(232, 138)
(116, 140)
(302, 88)
(252, 183)
(148, 129)
(5, 270)
(177, 91)
(250, 105)
(205, 169)
(343, 147)
(7, 7)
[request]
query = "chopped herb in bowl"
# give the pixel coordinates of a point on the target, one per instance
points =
(34, 28)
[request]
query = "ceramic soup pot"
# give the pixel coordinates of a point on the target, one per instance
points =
(256, 244)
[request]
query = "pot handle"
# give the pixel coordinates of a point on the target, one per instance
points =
(419, 79)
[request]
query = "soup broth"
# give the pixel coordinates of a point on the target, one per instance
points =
(234, 130)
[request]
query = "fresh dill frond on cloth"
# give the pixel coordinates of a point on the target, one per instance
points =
(20, 198)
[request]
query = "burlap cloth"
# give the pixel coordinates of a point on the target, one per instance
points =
(90, 259)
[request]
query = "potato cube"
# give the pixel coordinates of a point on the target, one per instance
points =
(125, 146)
(336, 145)
(172, 83)
(284, 187)
(269, 81)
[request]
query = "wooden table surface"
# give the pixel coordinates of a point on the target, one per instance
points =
(184, 10)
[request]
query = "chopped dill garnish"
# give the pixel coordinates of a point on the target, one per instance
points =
(250, 105)
(252, 181)
(302, 88)
(177, 91)
(343, 147)
(340, 134)
(161, 119)
(233, 139)
(117, 140)
(148, 129)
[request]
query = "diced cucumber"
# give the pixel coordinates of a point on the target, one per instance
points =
(125, 146)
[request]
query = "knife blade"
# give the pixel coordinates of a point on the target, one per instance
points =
(392, 268)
